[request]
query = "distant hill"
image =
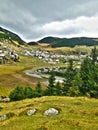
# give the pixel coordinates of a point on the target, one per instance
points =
(8, 35)
(69, 42)
(32, 43)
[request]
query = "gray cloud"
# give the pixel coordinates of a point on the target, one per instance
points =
(33, 19)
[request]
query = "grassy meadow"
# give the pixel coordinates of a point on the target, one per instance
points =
(78, 113)
(75, 113)
(13, 74)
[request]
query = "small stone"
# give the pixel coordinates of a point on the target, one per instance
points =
(5, 100)
(31, 112)
(3, 117)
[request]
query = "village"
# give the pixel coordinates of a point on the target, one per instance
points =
(57, 62)
(9, 54)
(54, 58)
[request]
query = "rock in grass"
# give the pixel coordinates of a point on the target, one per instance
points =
(3, 117)
(31, 112)
(5, 100)
(6, 116)
(51, 111)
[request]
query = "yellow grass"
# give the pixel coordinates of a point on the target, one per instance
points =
(66, 50)
(13, 74)
(9, 69)
(74, 114)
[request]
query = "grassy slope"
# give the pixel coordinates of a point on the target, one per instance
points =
(75, 114)
(12, 74)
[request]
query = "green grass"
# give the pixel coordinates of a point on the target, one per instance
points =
(75, 114)
(30, 62)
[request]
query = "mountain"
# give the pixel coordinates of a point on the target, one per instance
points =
(10, 36)
(69, 42)
(32, 43)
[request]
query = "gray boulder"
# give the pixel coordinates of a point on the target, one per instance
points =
(3, 117)
(51, 111)
(6, 100)
(31, 112)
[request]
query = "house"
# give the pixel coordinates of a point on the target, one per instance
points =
(2, 58)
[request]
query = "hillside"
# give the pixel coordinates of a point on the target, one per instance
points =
(9, 36)
(69, 42)
(78, 113)
(32, 43)
(54, 42)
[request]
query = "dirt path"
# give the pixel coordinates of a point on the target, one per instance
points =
(24, 78)
(29, 79)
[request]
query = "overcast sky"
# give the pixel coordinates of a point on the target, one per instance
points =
(34, 19)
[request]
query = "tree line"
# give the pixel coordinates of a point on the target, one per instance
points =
(81, 81)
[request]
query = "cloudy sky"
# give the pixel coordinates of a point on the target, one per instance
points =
(35, 19)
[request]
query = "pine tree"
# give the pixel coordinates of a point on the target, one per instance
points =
(69, 77)
(58, 89)
(76, 86)
(89, 75)
(51, 87)
(94, 55)
(38, 90)
(85, 73)
(28, 91)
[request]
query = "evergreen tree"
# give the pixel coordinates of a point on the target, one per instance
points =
(58, 89)
(76, 85)
(69, 77)
(51, 87)
(89, 75)
(73, 91)
(28, 91)
(17, 94)
(38, 90)
(77, 81)
(86, 75)
(94, 55)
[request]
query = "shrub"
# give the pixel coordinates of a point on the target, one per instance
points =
(17, 94)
